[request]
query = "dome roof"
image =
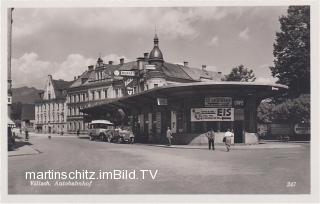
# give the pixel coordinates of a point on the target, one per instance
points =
(156, 54)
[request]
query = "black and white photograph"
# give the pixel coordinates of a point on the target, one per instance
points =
(149, 99)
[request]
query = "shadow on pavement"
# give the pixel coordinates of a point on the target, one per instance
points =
(18, 144)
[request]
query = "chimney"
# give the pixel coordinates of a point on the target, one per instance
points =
(121, 61)
(146, 56)
(110, 62)
(140, 62)
(90, 67)
(204, 67)
(185, 63)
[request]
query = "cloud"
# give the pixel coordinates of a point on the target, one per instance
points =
(214, 41)
(30, 70)
(171, 22)
(244, 35)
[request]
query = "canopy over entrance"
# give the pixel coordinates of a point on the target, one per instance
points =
(186, 90)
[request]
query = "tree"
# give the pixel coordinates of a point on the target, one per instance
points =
(292, 51)
(290, 111)
(240, 73)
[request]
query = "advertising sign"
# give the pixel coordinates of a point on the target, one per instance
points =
(302, 129)
(218, 101)
(127, 73)
(150, 66)
(212, 114)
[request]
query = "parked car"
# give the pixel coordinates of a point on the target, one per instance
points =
(125, 135)
(101, 129)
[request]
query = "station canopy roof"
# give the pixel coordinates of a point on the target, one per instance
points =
(188, 90)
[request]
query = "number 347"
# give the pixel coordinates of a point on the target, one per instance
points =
(291, 184)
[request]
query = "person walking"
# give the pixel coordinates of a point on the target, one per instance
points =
(227, 139)
(169, 136)
(211, 137)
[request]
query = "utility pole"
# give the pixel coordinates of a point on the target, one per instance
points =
(9, 59)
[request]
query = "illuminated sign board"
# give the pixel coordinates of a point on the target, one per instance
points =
(212, 114)
(218, 101)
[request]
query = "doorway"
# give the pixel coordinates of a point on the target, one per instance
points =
(238, 131)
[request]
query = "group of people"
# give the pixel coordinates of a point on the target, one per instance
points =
(226, 139)
(211, 138)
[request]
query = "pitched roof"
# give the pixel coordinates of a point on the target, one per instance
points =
(175, 71)
(198, 74)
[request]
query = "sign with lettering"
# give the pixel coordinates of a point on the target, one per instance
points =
(302, 129)
(212, 114)
(150, 66)
(127, 73)
(9, 100)
(238, 103)
(218, 101)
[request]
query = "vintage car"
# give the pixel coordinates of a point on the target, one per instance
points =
(101, 129)
(125, 135)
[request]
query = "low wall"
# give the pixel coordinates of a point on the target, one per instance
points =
(199, 139)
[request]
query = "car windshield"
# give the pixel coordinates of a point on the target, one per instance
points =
(101, 125)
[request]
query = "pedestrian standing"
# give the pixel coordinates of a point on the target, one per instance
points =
(211, 137)
(227, 139)
(169, 136)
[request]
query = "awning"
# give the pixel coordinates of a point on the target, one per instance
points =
(11, 123)
(183, 90)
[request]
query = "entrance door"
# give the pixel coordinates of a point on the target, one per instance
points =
(238, 131)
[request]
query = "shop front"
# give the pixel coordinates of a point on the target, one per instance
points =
(190, 110)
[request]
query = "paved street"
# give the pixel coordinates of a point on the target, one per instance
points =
(180, 170)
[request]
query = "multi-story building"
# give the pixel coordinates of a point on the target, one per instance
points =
(51, 108)
(102, 82)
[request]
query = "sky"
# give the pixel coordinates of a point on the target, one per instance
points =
(64, 41)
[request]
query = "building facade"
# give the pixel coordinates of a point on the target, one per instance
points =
(189, 101)
(51, 108)
(108, 81)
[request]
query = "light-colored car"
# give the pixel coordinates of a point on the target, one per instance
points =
(101, 129)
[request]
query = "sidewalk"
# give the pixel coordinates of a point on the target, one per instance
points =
(22, 148)
(267, 145)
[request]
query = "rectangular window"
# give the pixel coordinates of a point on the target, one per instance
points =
(93, 96)
(117, 93)
(99, 94)
(155, 85)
